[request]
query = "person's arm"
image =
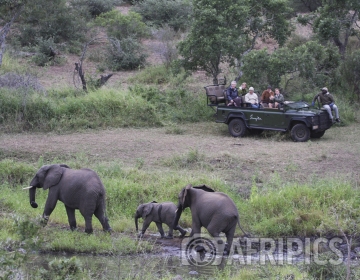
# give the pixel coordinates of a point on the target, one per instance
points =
(228, 94)
(281, 98)
(256, 99)
(331, 98)
(314, 99)
(247, 100)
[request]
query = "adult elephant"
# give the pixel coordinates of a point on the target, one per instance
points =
(78, 189)
(159, 213)
(213, 210)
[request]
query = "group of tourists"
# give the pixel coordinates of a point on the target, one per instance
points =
(270, 99)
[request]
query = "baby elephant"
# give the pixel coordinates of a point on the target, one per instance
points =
(159, 213)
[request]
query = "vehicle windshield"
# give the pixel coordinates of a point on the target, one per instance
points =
(297, 105)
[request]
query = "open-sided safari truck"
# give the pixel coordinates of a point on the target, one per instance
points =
(298, 118)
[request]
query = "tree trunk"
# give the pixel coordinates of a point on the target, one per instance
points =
(5, 30)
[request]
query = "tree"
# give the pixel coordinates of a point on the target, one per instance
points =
(311, 61)
(10, 11)
(226, 31)
(335, 21)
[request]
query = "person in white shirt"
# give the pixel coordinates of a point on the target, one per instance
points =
(252, 98)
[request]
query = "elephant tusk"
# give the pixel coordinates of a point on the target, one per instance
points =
(28, 188)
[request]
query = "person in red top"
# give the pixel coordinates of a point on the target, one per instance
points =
(265, 97)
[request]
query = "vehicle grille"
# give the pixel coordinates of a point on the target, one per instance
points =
(324, 121)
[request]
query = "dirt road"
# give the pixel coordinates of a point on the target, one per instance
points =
(234, 159)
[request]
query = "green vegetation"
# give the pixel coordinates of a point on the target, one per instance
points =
(218, 37)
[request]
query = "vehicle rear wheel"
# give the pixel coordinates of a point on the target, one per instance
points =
(237, 127)
(317, 134)
(300, 133)
(255, 131)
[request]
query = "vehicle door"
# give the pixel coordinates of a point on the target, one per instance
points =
(275, 119)
(255, 118)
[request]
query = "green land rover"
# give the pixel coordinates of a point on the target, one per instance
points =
(302, 121)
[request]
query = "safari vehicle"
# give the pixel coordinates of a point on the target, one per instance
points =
(298, 118)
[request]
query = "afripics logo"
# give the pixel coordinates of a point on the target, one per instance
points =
(204, 250)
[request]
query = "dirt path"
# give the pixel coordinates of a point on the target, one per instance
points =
(233, 159)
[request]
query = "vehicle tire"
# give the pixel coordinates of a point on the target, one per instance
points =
(300, 133)
(317, 134)
(237, 128)
(255, 131)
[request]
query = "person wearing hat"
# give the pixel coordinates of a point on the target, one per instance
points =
(232, 95)
(252, 98)
(328, 103)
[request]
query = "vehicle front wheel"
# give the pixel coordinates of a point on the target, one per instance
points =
(237, 127)
(300, 133)
(317, 134)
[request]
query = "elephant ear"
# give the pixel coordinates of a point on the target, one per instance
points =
(147, 210)
(65, 166)
(184, 193)
(204, 188)
(53, 176)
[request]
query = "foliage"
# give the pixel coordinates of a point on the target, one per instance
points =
(122, 26)
(101, 108)
(167, 48)
(125, 54)
(226, 31)
(46, 52)
(304, 210)
(159, 13)
(349, 76)
(313, 62)
(58, 21)
(95, 7)
(14, 172)
(335, 21)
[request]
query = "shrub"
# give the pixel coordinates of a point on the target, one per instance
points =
(122, 26)
(175, 13)
(125, 54)
(58, 20)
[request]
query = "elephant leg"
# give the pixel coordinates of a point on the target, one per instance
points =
(71, 217)
(160, 228)
(229, 239)
(88, 219)
(195, 228)
(100, 215)
(146, 224)
(49, 205)
(182, 231)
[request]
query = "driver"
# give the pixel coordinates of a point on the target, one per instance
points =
(328, 103)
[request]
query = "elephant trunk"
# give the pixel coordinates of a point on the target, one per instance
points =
(177, 216)
(137, 216)
(32, 197)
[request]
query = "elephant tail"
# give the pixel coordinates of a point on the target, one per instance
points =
(238, 222)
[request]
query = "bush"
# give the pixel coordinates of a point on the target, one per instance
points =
(58, 20)
(158, 13)
(122, 26)
(125, 54)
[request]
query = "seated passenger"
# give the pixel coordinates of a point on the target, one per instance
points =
(252, 98)
(232, 95)
(242, 89)
(328, 103)
(265, 97)
(278, 98)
